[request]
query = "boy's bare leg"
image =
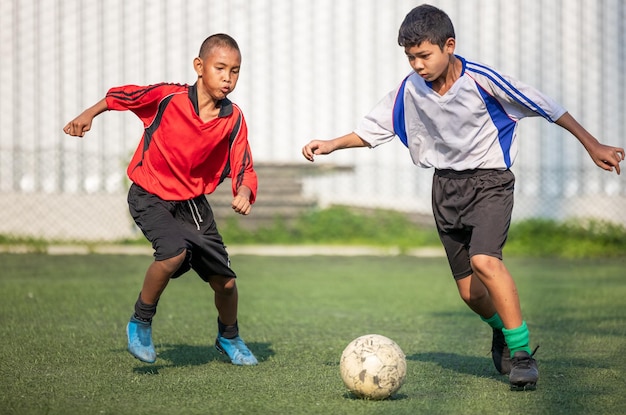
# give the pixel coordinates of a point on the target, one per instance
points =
(476, 296)
(226, 298)
(158, 276)
(139, 328)
(501, 287)
(228, 340)
(503, 292)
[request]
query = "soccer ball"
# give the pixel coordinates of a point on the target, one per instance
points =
(373, 367)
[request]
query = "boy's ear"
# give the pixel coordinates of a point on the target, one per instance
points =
(450, 45)
(197, 66)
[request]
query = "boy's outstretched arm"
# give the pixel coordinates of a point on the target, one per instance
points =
(81, 124)
(317, 147)
(606, 157)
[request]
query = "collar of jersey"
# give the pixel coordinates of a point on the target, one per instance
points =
(226, 106)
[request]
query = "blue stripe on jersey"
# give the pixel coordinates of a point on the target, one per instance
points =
(504, 124)
(399, 127)
(507, 87)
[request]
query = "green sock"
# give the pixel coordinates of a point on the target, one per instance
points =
(517, 339)
(494, 321)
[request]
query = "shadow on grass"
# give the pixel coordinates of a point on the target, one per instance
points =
(469, 365)
(190, 355)
(394, 397)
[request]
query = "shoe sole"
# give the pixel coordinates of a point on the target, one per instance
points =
(531, 386)
(139, 358)
(222, 351)
(219, 349)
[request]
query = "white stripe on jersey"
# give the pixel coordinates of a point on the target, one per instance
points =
(471, 126)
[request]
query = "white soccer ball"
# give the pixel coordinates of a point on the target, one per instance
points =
(373, 367)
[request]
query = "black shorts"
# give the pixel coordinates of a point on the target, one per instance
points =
(175, 226)
(472, 211)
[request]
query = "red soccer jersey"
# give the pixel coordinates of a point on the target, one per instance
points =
(180, 156)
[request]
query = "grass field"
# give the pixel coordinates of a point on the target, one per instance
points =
(63, 350)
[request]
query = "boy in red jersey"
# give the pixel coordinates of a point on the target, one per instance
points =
(194, 138)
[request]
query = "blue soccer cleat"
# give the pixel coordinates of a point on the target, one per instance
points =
(140, 340)
(236, 350)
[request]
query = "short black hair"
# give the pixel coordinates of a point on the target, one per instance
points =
(425, 23)
(217, 40)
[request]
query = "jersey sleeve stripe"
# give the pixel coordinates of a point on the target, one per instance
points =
(507, 87)
(231, 140)
(123, 95)
(502, 122)
(399, 125)
(150, 130)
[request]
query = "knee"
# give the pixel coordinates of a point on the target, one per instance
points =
(485, 266)
(171, 265)
(224, 286)
(474, 295)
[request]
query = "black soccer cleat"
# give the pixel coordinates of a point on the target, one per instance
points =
(500, 353)
(524, 372)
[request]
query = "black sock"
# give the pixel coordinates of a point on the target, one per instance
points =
(143, 311)
(228, 332)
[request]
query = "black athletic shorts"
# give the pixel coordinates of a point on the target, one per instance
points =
(173, 226)
(472, 211)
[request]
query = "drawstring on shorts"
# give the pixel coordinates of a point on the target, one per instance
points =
(195, 213)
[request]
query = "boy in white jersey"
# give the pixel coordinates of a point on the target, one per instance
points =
(461, 117)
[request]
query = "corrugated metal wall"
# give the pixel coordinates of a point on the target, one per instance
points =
(311, 69)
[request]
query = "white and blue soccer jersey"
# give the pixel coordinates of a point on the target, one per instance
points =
(472, 126)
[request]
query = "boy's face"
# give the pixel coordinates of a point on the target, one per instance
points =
(428, 60)
(218, 72)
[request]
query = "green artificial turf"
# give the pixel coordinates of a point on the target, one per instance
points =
(63, 347)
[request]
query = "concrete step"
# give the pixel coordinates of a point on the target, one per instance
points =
(268, 186)
(278, 200)
(279, 195)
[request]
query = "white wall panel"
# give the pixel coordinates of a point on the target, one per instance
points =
(311, 69)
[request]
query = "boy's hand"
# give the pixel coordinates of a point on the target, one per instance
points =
(81, 124)
(78, 126)
(316, 147)
(607, 157)
(241, 202)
